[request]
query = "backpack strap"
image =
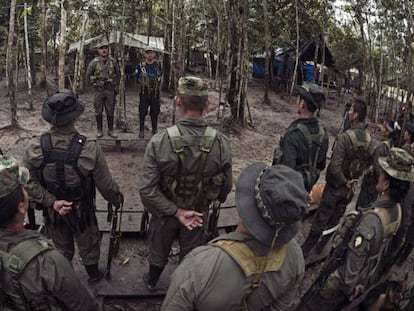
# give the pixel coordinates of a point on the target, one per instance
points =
(355, 141)
(17, 259)
(179, 142)
(252, 265)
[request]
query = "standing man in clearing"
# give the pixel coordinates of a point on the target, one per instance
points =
(186, 167)
(148, 75)
(305, 143)
(103, 73)
(260, 265)
(350, 158)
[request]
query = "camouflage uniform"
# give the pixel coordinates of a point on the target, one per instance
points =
(336, 195)
(149, 78)
(368, 193)
(32, 272)
(163, 183)
(372, 248)
(295, 146)
(104, 76)
(81, 223)
(258, 267)
(209, 279)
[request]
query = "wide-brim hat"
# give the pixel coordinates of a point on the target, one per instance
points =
(312, 93)
(398, 164)
(270, 199)
(11, 175)
(61, 108)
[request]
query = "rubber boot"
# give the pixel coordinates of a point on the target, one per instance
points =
(151, 278)
(154, 123)
(94, 274)
(141, 126)
(110, 120)
(310, 242)
(99, 134)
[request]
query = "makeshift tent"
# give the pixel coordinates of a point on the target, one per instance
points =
(128, 39)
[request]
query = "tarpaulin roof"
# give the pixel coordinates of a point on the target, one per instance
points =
(128, 39)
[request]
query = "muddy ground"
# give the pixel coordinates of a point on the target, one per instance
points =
(252, 144)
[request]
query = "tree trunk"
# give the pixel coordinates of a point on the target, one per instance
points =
(237, 26)
(62, 46)
(9, 65)
(166, 64)
(29, 69)
(79, 61)
(266, 99)
(295, 71)
(43, 41)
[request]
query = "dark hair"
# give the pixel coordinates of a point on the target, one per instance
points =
(8, 206)
(309, 105)
(398, 188)
(194, 103)
(361, 108)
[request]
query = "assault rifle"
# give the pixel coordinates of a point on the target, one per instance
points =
(213, 220)
(335, 261)
(114, 237)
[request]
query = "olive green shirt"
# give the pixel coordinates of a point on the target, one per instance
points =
(91, 162)
(209, 279)
(336, 173)
(48, 276)
(161, 161)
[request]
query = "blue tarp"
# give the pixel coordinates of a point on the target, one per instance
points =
(309, 72)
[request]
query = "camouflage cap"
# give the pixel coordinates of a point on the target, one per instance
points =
(192, 86)
(398, 164)
(313, 93)
(11, 175)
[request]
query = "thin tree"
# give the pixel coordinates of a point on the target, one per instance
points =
(266, 99)
(62, 46)
(28, 67)
(43, 40)
(9, 66)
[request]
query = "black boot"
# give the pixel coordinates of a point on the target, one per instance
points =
(154, 123)
(151, 278)
(110, 120)
(99, 134)
(141, 125)
(94, 274)
(310, 242)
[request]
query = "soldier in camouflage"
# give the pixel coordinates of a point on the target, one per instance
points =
(148, 75)
(372, 250)
(103, 73)
(260, 265)
(186, 167)
(350, 158)
(34, 275)
(65, 168)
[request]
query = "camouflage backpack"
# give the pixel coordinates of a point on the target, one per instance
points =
(360, 154)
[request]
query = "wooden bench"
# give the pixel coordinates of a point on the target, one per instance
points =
(121, 136)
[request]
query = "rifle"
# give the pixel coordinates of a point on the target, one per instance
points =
(335, 261)
(213, 220)
(114, 237)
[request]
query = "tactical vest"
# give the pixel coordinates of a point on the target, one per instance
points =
(150, 85)
(104, 75)
(83, 194)
(252, 265)
(189, 191)
(359, 155)
(14, 262)
(309, 170)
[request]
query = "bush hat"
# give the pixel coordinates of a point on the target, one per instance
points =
(398, 164)
(312, 93)
(269, 199)
(11, 175)
(61, 108)
(192, 86)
